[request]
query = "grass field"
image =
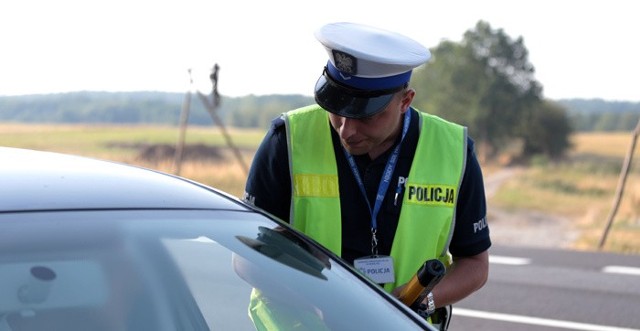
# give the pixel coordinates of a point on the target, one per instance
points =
(581, 187)
(127, 143)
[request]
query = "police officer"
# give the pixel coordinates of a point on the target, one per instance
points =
(376, 181)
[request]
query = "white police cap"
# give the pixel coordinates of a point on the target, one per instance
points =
(366, 66)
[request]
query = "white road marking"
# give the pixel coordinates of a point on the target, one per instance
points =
(536, 320)
(617, 269)
(508, 260)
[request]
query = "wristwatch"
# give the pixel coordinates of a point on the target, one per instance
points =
(431, 305)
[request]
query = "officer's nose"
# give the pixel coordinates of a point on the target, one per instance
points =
(348, 127)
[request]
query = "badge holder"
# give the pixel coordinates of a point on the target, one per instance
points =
(379, 268)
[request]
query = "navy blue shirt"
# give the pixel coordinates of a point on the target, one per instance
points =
(269, 187)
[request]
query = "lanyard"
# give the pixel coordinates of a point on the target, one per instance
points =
(384, 181)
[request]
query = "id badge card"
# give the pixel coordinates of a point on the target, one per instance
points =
(378, 268)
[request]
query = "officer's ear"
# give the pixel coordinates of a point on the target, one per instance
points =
(407, 98)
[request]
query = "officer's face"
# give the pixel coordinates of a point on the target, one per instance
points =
(373, 135)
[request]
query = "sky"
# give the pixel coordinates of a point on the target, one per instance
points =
(580, 49)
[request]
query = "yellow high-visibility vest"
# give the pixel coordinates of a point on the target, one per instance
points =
(431, 190)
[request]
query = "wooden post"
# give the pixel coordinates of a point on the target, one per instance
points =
(621, 183)
(210, 105)
(212, 111)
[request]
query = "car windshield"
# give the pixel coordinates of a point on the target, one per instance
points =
(176, 270)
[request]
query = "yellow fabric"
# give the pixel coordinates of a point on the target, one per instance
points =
(430, 193)
(315, 203)
(269, 315)
(430, 196)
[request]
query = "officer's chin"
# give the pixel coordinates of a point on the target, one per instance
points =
(356, 151)
(359, 148)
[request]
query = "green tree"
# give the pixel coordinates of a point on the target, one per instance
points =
(487, 83)
(548, 131)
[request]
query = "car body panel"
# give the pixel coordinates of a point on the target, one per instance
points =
(108, 246)
(34, 180)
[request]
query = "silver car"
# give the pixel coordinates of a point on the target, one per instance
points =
(95, 245)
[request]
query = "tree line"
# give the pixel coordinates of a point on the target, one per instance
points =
(248, 112)
(485, 82)
(601, 115)
(143, 107)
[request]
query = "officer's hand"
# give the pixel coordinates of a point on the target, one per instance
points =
(396, 291)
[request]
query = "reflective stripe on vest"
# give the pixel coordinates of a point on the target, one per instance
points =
(430, 195)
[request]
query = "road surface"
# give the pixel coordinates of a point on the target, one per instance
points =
(537, 283)
(544, 289)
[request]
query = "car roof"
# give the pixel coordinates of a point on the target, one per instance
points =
(37, 180)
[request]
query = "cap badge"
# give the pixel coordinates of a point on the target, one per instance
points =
(344, 62)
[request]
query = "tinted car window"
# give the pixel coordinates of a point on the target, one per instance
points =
(176, 270)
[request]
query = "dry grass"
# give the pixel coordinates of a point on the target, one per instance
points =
(122, 143)
(228, 174)
(582, 188)
(613, 144)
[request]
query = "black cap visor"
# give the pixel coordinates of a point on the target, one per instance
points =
(346, 101)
